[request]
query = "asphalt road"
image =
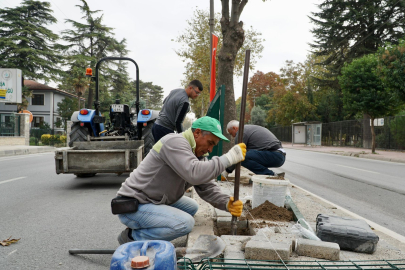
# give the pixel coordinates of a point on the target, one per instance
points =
(372, 189)
(54, 213)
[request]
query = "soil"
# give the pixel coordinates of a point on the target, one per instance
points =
(227, 231)
(269, 211)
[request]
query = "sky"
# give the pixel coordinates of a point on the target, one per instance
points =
(150, 28)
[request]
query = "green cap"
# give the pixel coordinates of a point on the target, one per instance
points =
(209, 124)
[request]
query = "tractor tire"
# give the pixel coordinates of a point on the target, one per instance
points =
(78, 134)
(147, 138)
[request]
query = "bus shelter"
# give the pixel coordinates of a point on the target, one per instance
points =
(308, 133)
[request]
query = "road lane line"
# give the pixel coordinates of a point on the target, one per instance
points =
(357, 169)
(21, 156)
(376, 226)
(10, 180)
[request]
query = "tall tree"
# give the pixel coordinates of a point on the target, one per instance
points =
(150, 93)
(90, 41)
(195, 52)
(363, 91)
(27, 44)
(65, 109)
(346, 30)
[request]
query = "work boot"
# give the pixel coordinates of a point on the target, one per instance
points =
(124, 237)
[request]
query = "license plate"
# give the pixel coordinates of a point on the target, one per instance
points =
(117, 107)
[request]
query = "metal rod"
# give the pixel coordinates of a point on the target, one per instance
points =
(234, 223)
(91, 251)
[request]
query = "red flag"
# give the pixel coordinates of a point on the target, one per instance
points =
(214, 53)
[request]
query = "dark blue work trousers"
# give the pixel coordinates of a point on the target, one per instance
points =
(259, 162)
(159, 131)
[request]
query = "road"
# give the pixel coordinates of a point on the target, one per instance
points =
(372, 189)
(54, 213)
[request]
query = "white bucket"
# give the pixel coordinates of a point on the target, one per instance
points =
(267, 189)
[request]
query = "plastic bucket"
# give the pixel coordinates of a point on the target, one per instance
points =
(267, 189)
(161, 254)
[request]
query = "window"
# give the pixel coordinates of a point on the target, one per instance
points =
(38, 99)
(38, 121)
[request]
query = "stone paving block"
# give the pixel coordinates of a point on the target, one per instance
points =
(235, 239)
(221, 213)
(225, 222)
(259, 250)
(234, 247)
(318, 249)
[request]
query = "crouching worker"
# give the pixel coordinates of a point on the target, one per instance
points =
(159, 211)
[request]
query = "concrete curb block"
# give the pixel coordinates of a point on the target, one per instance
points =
(26, 151)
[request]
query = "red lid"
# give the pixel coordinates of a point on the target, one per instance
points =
(140, 262)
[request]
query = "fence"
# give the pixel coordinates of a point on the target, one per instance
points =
(390, 133)
(10, 124)
(43, 136)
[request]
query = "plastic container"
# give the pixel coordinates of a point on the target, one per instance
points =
(350, 234)
(161, 254)
(267, 189)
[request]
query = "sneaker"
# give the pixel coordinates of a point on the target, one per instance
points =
(123, 237)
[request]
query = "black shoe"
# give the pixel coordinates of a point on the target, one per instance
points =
(123, 237)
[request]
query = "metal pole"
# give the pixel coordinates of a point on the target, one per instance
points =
(211, 31)
(234, 224)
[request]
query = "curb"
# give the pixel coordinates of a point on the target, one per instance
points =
(26, 151)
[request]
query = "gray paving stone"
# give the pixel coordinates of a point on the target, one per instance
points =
(259, 250)
(318, 249)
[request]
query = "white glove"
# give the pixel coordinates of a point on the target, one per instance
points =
(236, 154)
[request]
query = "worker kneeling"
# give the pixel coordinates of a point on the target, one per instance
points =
(158, 210)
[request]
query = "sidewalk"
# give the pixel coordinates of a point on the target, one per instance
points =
(385, 155)
(12, 150)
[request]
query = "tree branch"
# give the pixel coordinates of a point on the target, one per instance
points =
(225, 9)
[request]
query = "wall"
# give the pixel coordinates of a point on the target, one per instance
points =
(24, 139)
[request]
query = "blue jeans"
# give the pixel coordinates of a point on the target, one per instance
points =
(260, 161)
(161, 222)
(159, 131)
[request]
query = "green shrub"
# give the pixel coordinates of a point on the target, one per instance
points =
(33, 141)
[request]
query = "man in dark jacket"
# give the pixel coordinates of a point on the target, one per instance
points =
(264, 150)
(175, 107)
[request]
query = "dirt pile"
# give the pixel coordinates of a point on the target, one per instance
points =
(269, 211)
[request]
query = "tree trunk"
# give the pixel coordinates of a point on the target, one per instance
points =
(372, 136)
(233, 37)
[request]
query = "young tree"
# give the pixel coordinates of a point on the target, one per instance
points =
(363, 91)
(27, 44)
(346, 30)
(391, 67)
(66, 108)
(258, 116)
(195, 52)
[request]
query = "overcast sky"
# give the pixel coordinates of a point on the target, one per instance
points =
(151, 26)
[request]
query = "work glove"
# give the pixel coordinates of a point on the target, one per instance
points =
(236, 154)
(235, 208)
(224, 176)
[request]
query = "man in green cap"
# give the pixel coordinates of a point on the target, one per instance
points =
(175, 163)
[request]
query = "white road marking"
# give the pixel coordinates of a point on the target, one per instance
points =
(11, 252)
(10, 180)
(358, 169)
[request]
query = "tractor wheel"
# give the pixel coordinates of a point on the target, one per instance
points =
(78, 134)
(147, 138)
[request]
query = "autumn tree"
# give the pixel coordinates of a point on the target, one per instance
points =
(364, 92)
(195, 52)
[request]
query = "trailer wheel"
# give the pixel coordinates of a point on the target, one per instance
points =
(84, 175)
(147, 138)
(78, 134)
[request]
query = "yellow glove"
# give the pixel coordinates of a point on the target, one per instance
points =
(235, 208)
(223, 178)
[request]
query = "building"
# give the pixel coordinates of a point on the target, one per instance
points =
(43, 104)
